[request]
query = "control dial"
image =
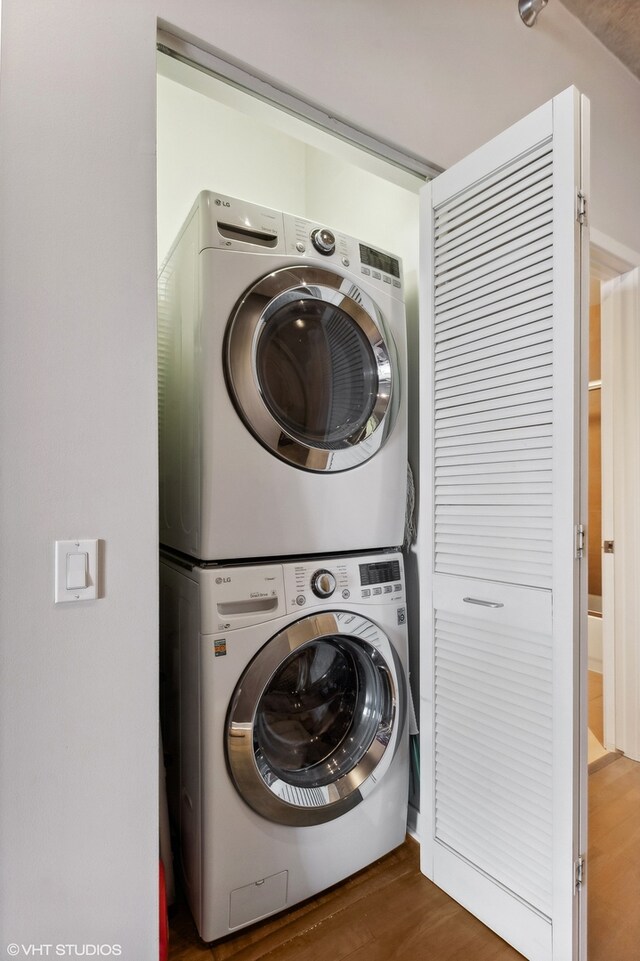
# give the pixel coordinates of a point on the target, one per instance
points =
(323, 583)
(324, 241)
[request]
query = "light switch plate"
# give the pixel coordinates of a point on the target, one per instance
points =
(62, 567)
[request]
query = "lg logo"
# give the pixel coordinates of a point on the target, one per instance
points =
(222, 203)
(223, 580)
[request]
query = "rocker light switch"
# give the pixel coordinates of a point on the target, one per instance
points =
(77, 571)
(76, 576)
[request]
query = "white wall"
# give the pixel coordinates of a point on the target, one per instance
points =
(213, 136)
(207, 145)
(78, 831)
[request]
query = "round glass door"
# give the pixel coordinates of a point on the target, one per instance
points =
(310, 368)
(315, 713)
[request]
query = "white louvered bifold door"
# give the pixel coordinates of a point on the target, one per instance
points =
(502, 812)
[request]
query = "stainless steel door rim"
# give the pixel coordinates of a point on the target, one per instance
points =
(318, 710)
(311, 368)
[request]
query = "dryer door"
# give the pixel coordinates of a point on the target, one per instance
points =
(315, 719)
(312, 369)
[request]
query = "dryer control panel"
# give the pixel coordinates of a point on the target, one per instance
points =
(305, 238)
(232, 224)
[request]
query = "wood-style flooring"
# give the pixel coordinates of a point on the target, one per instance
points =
(596, 710)
(388, 912)
(391, 912)
(613, 862)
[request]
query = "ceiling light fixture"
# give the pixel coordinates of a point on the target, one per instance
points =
(529, 10)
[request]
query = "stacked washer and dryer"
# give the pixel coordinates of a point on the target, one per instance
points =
(283, 449)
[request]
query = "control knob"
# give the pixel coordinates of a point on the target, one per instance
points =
(324, 241)
(323, 583)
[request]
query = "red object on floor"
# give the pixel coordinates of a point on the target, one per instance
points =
(164, 919)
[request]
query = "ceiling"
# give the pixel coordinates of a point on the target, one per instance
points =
(616, 23)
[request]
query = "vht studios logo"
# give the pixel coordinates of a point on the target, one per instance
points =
(64, 950)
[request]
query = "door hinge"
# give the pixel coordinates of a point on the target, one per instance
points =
(581, 210)
(579, 871)
(579, 541)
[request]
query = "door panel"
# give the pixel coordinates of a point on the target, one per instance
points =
(621, 514)
(493, 731)
(501, 806)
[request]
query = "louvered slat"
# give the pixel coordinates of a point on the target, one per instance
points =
(493, 705)
(502, 217)
(504, 183)
(493, 394)
(513, 306)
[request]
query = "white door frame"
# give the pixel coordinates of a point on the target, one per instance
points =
(610, 260)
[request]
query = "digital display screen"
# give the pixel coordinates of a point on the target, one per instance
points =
(380, 573)
(379, 261)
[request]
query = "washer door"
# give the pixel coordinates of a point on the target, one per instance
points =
(319, 709)
(311, 368)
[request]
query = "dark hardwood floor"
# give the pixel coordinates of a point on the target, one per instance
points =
(391, 912)
(388, 911)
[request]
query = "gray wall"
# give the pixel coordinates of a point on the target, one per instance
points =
(78, 833)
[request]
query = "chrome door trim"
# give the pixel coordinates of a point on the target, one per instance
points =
(318, 804)
(252, 313)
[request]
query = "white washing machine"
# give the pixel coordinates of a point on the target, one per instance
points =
(288, 721)
(282, 360)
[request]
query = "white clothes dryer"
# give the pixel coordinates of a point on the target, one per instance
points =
(288, 720)
(282, 386)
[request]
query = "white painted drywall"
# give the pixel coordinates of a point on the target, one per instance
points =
(78, 765)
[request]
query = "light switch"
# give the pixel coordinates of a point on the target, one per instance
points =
(76, 570)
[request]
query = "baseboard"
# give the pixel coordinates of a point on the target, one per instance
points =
(604, 761)
(413, 823)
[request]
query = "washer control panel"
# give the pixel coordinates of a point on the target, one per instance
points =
(374, 579)
(238, 597)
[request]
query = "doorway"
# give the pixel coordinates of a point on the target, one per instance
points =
(215, 136)
(613, 473)
(614, 776)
